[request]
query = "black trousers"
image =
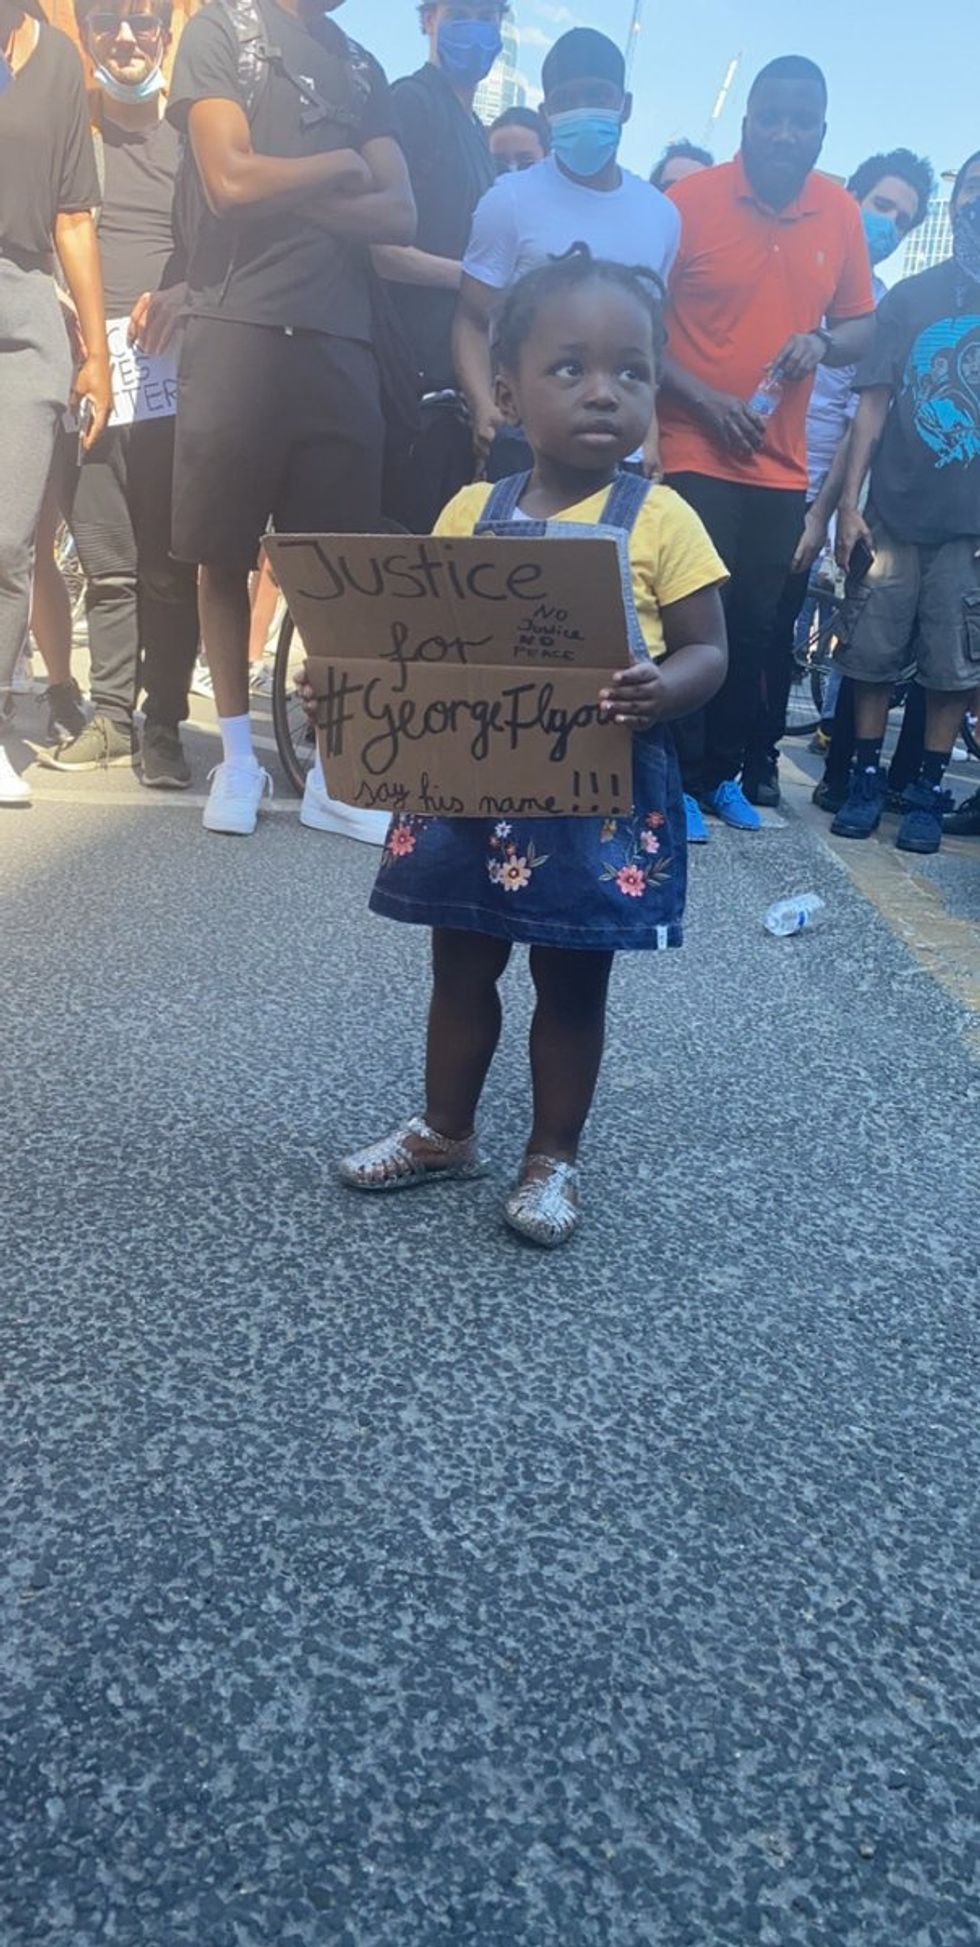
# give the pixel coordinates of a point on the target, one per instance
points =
(777, 669)
(419, 483)
(141, 603)
(755, 530)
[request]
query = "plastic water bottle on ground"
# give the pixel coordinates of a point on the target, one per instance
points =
(796, 915)
(766, 396)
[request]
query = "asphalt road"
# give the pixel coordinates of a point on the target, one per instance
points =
(371, 1581)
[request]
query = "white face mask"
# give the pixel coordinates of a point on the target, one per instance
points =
(127, 91)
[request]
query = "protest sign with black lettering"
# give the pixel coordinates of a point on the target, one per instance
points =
(462, 676)
(144, 386)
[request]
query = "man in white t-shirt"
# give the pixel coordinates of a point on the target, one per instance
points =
(579, 194)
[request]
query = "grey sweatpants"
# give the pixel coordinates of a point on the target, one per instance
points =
(35, 380)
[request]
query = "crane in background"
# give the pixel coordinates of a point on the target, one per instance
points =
(636, 29)
(721, 100)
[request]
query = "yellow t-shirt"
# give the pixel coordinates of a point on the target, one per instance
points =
(670, 553)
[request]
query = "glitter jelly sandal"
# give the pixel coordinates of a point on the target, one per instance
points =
(391, 1165)
(545, 1208)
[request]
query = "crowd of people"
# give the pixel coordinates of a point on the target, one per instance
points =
(379, 311)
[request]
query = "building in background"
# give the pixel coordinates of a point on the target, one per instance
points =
(932, 242)
(503, 87)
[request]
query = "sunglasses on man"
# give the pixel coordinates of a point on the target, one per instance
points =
(143, 27)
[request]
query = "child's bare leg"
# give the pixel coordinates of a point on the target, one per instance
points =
(464, 1026)
(567, 1036)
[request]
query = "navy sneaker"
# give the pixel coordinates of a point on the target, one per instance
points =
(964, 821)
(860, 814)
(729, 803)
(697, 830)
(921, 829)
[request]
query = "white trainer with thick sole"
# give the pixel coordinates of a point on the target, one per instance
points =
(321, 813)
(237, 791)
(14, 789)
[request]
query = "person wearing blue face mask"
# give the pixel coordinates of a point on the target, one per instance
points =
(578, 194)
(892, 192)
(450, 167)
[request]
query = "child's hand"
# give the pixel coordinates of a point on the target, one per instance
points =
(306, 693)
(638, 697)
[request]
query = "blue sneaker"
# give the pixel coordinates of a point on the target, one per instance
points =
(697, 830)
(921, 829)
(860, 814)
(730, 804)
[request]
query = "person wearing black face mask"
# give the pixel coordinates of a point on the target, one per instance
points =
(772, 279)
(450, 168)
(915, 611)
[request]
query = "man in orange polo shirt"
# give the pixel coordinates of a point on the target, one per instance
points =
(772, 279)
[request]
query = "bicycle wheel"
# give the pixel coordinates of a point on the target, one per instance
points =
(70, 568)
(295, 736)
(970, 733)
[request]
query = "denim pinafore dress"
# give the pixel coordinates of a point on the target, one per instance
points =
(595, 884)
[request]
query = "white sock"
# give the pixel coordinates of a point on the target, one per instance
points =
(318, 781)
(236, 737)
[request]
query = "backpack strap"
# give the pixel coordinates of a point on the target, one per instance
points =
(627, 495)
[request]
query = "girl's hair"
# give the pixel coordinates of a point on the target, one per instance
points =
(569, 273)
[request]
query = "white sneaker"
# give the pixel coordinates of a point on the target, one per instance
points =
(201, 681)
(237, 790)
(321, 813)
(14, 789)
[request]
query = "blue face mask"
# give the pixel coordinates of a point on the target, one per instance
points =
(966, 239)
(881, 233)
(467, 50)
(130, 90)
(585, 139)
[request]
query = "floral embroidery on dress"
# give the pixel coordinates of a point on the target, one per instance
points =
(507, 865)
(403, 836)
(636, 861)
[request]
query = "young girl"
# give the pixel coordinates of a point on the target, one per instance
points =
(576, 354)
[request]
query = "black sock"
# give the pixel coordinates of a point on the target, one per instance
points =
(867, 754)
(934, 764)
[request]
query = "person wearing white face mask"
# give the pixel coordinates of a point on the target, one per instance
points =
(892, 192)
(578, 194)
(141, 604)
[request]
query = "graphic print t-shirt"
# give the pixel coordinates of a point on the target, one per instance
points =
(925, 482)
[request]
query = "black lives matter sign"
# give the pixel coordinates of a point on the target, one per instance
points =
(462, 677)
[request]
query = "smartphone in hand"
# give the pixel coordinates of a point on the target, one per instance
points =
(861, 559)
(86, 414)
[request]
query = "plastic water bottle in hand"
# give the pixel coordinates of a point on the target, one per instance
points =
(795, 915)
(767, 395)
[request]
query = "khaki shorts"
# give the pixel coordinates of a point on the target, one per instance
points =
(917, 613)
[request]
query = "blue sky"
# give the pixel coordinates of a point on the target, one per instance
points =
(872, 52)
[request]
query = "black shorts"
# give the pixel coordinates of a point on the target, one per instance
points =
(272, 426)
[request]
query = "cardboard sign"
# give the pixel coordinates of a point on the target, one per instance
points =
(462, 677)
(142, 387)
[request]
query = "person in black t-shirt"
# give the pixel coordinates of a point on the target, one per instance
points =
(450, 167)
(278, 406)
(913, 596)
(48, 188)
(118, 503)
